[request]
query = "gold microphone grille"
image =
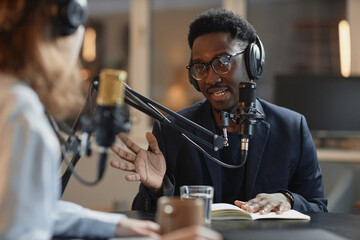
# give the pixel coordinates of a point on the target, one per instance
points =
(111, 87)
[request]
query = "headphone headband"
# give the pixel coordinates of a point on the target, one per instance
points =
(70, 14)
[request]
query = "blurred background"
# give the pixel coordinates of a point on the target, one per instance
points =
(312, 66)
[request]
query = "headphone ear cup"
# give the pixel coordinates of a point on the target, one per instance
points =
(255, 59)
(193, 81)
(71, 14)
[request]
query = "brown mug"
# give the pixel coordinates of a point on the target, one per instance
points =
(174, 213)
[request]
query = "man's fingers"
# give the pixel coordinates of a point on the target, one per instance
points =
(129, 144)
(252, 205)
(279, 209)
(115, 164)
(263, 206)
(123, 154)
(133, 177)
(127, 166)
(122, 165)
(239, 203)
(153, 144)
(283, 207)
(270, 207)
(242, 205)
(266, 209)
(265, 203)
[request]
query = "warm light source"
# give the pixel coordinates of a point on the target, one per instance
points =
(345, 48)
(89, 46)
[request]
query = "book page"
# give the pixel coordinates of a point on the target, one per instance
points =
(221, 211)
(225, 206)
(230, 211)
(291, 214)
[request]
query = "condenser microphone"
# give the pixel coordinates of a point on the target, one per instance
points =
(110, 99)
(246, 116)
(109, 120)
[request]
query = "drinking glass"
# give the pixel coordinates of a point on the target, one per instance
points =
(200, 191)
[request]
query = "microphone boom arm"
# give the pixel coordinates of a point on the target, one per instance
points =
(147, 106)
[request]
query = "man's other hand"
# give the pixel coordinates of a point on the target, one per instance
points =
(146, 166)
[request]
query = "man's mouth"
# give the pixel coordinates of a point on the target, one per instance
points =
(219, 93)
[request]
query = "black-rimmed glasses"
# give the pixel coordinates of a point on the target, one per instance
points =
(220, 64)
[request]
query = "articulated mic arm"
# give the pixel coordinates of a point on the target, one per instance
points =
(149, 106)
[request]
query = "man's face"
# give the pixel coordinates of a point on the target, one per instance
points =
(220, 90)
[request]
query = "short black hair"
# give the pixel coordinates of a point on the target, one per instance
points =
(221, 20)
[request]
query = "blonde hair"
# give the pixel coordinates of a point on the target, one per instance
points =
(29, 50)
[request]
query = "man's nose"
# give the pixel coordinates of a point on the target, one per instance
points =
(212, 77)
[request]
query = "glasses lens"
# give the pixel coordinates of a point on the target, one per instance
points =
(198, 71)
(221, 64)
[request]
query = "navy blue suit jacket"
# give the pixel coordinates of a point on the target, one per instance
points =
(282, 156)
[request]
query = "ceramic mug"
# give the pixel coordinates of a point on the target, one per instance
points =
(174, 213)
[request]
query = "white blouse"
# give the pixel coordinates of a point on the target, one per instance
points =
(29, 175)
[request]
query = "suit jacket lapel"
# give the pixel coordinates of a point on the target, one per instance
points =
(256, 150)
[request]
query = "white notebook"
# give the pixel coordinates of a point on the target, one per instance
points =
(226, 211)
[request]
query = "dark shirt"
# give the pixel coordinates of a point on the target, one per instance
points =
(233, 179)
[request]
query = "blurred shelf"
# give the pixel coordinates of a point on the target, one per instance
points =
(339, 155)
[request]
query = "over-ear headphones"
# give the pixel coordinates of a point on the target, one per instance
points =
(254, 62)
(69, 15)
(255, 59)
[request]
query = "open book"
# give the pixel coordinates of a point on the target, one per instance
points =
(226, 211)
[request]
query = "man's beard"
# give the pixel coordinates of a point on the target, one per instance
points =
(231, 109)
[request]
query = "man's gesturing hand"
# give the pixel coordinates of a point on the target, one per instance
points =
(146, 166)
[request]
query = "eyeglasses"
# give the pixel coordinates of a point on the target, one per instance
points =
(220, 64)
